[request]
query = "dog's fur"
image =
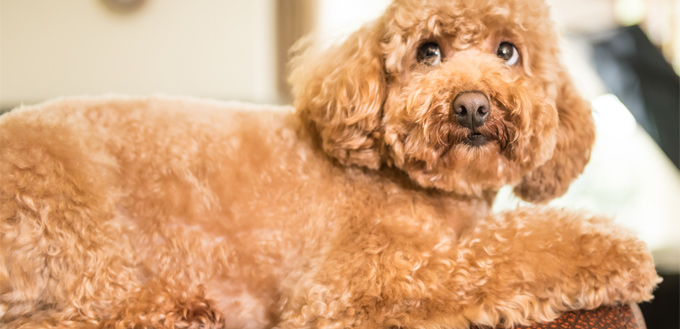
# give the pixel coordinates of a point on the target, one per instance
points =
(364, 208)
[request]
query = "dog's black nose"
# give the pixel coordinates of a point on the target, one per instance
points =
(471, 109)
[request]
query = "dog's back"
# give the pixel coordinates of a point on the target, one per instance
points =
(102, 197)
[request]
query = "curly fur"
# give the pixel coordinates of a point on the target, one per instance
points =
(363, 208)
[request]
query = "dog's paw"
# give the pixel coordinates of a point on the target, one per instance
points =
(536, 263)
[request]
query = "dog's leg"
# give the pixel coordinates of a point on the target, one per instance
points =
(49, 320)
(517, 267)
(162, 305)
(62, 257)
(154, 306)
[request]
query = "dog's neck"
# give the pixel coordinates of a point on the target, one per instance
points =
(459, 212)
(463, 213)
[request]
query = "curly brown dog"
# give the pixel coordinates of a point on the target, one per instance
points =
(366, 207)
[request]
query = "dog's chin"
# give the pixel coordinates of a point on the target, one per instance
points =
(469, 167)
(468, 164)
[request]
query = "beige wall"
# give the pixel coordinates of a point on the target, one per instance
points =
(207, 48)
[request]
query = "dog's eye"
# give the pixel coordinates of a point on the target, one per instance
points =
(429, 54)
(507, 52)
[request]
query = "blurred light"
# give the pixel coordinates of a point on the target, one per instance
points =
(676, 41)
(629, 12)
(612, 118)
(337, 19)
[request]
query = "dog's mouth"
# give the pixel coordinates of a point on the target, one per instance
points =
(495, 133)
(476, 139)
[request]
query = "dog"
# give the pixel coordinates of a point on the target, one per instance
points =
(367, 205)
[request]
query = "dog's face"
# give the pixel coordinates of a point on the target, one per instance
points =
(463, 96)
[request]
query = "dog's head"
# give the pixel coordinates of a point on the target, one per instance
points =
(463, 96)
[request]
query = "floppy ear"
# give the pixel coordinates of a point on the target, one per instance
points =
(575, 136)
(339, 93)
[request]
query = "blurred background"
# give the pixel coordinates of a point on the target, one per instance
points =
(623, 54)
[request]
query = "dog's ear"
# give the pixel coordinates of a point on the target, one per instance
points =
(574, 140)
(339, 93)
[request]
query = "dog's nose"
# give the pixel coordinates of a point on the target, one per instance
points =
(471, 109)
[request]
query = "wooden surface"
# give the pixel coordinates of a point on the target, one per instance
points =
(617, 317)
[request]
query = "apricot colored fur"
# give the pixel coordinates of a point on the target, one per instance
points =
(362, 208)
